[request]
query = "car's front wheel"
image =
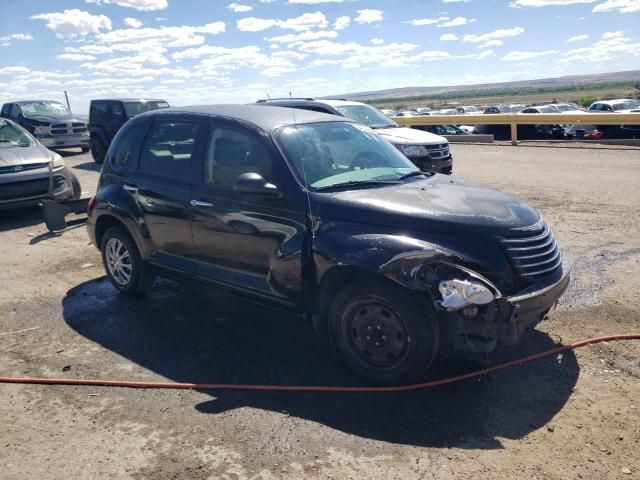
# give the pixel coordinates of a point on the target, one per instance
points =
(123, 264)
(385, 333)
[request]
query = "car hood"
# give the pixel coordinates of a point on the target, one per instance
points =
(410, 136)
(54, 119)
(24, 155)
(438, 204)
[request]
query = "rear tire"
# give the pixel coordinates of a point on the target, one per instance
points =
(385, 333)
(98, 150)
(123, 264)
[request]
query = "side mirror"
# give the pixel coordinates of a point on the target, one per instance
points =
(256, 184)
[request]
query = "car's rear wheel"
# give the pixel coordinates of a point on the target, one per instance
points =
(385, 333)
(98, 150)
(123, 264)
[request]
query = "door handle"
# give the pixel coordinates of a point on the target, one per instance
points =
(199, 203)
(130, 188)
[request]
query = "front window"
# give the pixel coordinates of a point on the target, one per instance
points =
(13, 136)
(332, 153)
(54, 109)
(367, 115)
(136, 108)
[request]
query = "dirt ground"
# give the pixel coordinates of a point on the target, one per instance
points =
(574, 416)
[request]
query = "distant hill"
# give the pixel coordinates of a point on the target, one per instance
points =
(544, 84)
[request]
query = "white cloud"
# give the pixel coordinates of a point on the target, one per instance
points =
(611, 46)
(75, 57)
(132, 22)
(304, 22)
(622, 6)
(449, 37)
(491, 43)
(310, 2)
(141, 5)
(441, 22)
(577, 38)
(500, 33)
(519, 56)
(377, 41)
(157, 39)
(239, 8)
(456, 22)
(13, 70)
(303, 37)
(74, 22)
(21, 36)
(369, 16)
(455, 1)
(546, 3)
(341, 23)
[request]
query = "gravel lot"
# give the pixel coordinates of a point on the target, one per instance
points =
(575, 416)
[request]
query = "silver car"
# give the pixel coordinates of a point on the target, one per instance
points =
(29, 172)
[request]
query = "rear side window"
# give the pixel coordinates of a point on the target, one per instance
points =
(127, 145)
(6, 108)
(231, 153)
(168, 148)
(98, 111)
(15, 111)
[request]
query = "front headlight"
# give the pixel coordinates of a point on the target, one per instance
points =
(41, 130)
(57, 162)
(457, 294)
(413, 150)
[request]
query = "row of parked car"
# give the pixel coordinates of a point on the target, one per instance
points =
(531, 132)
(324, 208)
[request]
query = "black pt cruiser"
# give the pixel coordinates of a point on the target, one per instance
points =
(319, 215)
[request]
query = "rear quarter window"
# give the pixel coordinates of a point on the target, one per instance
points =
(125, 149)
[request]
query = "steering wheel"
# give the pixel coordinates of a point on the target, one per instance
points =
(367, 159)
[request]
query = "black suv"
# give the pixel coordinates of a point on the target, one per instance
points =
(106, 116)
(321, 216)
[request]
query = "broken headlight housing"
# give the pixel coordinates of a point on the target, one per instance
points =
(457, 294)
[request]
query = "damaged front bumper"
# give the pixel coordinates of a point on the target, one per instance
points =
(481, 329)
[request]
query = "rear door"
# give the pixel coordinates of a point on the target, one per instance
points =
(250, 241)
(161, 184)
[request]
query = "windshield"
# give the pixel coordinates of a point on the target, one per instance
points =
(326, 154)
(470, 109)
(622, 106)
(54, 109)
(564, 108)
(13, 136)
(136, 108)
(367, 115)
(547, 109)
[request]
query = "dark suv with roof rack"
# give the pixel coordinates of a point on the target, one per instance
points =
(318, 215)
(107, 115)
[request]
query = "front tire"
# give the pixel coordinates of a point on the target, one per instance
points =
(123, 263)
(85, 149)
(385, 333)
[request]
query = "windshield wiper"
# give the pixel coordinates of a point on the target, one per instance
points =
(357, 183)
(415, 173)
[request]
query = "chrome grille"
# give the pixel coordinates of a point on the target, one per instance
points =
(438, 151)
(533, 256)
(22, 168)
(67, 128)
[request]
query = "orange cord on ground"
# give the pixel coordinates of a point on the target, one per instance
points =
(319, 388)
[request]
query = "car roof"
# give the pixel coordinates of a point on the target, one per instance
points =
(22, 102)
(612, 102)
(129, 100)
(265, 117)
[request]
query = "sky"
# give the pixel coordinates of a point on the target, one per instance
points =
(208, 51)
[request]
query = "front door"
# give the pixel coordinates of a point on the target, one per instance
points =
(248, 240)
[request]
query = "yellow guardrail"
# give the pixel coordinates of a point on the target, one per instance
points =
(515, 119)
